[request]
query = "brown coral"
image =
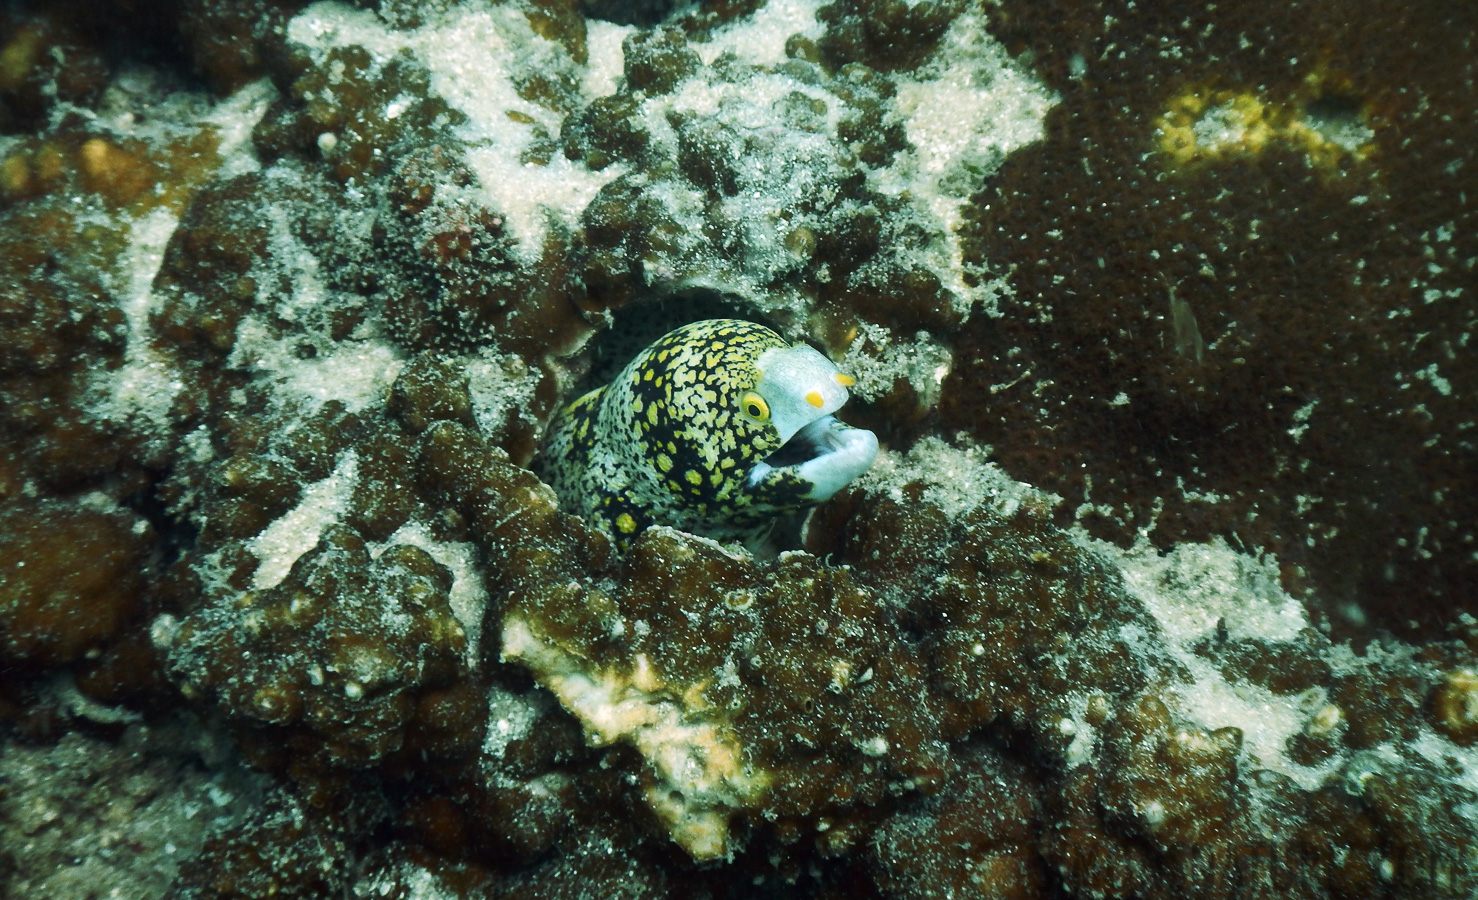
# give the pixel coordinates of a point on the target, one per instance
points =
(74, 577)
(1193, 347)
(336, 653)
(455, 687)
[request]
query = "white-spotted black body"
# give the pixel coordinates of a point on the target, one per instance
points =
(716, 429)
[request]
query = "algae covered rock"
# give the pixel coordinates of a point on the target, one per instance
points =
(74, 577)
(339, 648)
(289, 293)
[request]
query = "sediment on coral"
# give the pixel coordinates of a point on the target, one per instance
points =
(1161, 585)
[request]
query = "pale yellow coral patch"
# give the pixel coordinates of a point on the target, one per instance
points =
(1203, 124)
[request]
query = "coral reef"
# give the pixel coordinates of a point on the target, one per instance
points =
(343, 646)
(124, 810)
(1208, 350)
(1162, 584)
(72, 583)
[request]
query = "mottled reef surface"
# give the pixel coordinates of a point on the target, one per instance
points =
(1165, 584)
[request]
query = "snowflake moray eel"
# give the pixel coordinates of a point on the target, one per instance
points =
(717, 428)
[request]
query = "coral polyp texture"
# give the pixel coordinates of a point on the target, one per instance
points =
(1163, 581)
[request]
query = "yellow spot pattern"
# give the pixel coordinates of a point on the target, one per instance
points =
(673, 438)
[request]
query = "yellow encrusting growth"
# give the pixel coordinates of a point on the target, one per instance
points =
(1202, 124)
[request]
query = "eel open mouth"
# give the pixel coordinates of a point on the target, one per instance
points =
(827, 453)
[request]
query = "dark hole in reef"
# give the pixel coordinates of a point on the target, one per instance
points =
(1335, 108)
(632, 12)
(635, 328)
(1338, 118)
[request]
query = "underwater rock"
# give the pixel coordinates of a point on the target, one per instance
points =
(339, 648)
(291, 293)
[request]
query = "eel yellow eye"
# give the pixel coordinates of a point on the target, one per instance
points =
(755, 406)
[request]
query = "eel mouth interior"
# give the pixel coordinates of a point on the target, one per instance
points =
(812, 442)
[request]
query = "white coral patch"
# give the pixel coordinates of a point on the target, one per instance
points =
(699, 774)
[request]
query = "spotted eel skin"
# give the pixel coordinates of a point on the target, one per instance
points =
(716, 429)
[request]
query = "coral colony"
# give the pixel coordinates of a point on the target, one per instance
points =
(1125, 545)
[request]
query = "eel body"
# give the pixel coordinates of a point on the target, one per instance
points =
(717, 428)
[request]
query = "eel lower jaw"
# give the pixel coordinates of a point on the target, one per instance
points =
(827, 454)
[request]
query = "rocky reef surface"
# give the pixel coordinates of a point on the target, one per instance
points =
(1164, 584)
